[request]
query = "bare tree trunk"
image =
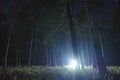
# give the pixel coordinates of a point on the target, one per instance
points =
(17, 46)
(86, 47)
(72, 31)
(17, 56)
(20, 55)
(21, 44)
(97, 46)
(30, 51)
(101, 43)
(81, 51)
(53, 51)
(50, 50)
(94, 63)
(35, 5)
(20, 51)
(47, 53)
(8, 43)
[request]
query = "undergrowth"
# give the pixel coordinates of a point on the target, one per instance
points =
(52, 73)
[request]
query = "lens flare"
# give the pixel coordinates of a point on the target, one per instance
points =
(72, 65)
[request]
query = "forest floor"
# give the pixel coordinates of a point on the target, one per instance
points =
(55, 73)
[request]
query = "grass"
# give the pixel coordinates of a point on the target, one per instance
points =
(52, 73)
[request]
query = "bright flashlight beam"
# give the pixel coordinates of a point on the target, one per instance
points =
(73, 64)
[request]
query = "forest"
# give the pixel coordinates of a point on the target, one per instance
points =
(42, 37)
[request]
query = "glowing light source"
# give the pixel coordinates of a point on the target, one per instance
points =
(73, 64)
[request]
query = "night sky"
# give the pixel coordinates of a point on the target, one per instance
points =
(20, 13)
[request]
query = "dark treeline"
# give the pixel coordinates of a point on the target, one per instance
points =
(36, 32)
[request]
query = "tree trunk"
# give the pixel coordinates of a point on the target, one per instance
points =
(81, 50)
(8, 43)
(21, 45)
(47, 51)
(30, 51)
(87, 53)
(94, 63)
(20, 51)
(72, 31)
(35, 5)
(17, 55)
(101, 43)
(53, 51)
(97, 46)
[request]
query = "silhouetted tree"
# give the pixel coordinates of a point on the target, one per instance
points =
(96, 40)
(72, 31)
